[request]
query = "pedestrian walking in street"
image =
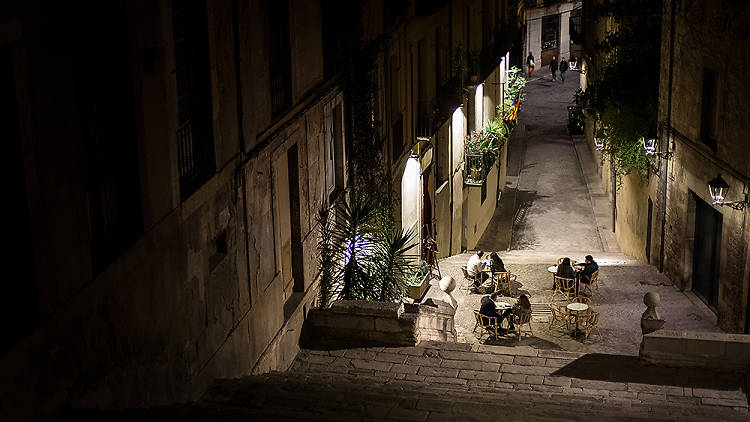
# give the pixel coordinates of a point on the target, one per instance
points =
(530, 63)
(563, 69)
(553, 68)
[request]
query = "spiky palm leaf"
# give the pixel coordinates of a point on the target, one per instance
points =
(394, 262)
(350, 241)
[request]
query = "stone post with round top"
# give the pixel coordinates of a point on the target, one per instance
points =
(650, 320)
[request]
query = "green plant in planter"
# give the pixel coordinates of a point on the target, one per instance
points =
(417, 275)
(356, 260)
(394, 263)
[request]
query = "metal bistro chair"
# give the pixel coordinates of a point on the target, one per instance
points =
(560, 317)
(593, 281)
(581, 299)
(503, 282)
(524, 318)
(477, 320)
(488, 325)
(468, 279)
(591, 323)
(565, 286)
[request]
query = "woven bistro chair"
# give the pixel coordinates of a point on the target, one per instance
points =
(469, 280)
(564, 286)
(581, 299)
(560, 317)
(478, 321)
(524, 318)
(593, 281)
(560, 260)
(591, 323)
(488, 325)
(503, 282)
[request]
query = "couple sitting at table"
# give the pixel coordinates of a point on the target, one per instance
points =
(489, 308)
(583, 275)
(475, 266)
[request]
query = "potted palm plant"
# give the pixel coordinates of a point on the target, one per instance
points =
(359, 261)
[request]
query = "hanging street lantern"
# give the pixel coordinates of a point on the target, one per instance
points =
(718, 189)
(650, 147)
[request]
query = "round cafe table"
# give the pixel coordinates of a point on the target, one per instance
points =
(575, 309)
(502, 307)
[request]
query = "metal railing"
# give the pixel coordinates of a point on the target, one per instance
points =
(477, 167)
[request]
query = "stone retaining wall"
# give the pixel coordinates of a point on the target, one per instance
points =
(358, 322)
(696, 349)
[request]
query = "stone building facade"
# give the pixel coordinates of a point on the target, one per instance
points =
(702, 100)
(701, 246)
(168, 159)
(553, 28)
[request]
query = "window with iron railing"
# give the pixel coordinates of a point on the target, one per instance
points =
(195, 143)
(477, 167)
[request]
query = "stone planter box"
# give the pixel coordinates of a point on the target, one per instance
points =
(358, 323)
(416, 292)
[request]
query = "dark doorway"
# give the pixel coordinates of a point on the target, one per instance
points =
(427, 229)
(648, 230)
(298, 272)
(706, 251)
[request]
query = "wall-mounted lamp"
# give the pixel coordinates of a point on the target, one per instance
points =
(718, 188)
(598, 143)
(650, 147)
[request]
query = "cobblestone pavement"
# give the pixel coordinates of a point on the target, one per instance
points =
(452, 381)
(552, 205)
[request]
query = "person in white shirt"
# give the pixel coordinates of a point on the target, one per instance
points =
(474, 266)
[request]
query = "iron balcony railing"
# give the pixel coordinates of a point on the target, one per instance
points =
(477, 167)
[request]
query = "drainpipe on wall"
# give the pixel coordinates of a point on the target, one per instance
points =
(669, 135)
(614, 193)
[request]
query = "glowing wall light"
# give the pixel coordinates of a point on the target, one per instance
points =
(718, 188)
(458, 130)
(479, 106)
(410, 190)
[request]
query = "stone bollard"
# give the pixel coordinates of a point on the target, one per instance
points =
(448, 284)
(650, 320)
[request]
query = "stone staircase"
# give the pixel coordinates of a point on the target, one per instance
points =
(454, 381)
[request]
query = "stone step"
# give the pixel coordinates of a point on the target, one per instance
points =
(452, 381)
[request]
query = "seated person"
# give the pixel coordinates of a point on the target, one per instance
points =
(490, 309)
(565, 270)
(522, 305)
(496, 264)
(589, 268)
(474, 266)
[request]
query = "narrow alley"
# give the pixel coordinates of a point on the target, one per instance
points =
(557, 208)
